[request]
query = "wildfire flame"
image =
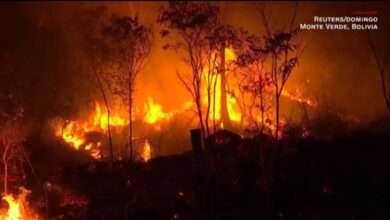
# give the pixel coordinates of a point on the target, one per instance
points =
(146, 151)
(75, 132)
(298, 96)
(18, 208)
(100, 120)
(232, 105)
(154, 112)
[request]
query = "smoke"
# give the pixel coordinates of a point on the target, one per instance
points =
(42, 55)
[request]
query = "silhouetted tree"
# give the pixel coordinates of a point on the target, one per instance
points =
(193, 23)
(11, 136)
(221, 38)
(381, 64)
(95, 50)
(130, 43)
(254, 80)
(279, 45)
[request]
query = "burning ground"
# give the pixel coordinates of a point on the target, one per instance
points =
(174, 110)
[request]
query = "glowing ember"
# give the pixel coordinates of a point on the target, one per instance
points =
(146, 151)
(71, 199)
(154, 112)
(221, 126)
(18, 208)
(305, 132)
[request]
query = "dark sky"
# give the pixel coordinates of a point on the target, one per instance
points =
(40, 44)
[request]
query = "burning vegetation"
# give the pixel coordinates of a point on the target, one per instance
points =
(92, 131)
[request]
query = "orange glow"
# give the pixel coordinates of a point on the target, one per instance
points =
(154, 112)
(146, 151)
(74, 132)
(232, 105)
(18, 208)
(100, 119)
(298, 96)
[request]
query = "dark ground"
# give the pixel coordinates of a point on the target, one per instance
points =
(340, 178)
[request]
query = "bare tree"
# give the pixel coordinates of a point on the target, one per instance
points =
(130, 44)
(221, 38)
(280, 46)
(95, 49)
(193, 23)
(11, 137)
(254, 80)
(381, 64)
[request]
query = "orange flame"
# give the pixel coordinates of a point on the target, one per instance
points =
(154, 112)
(298, 96)
(74, 132)
(232, 105)
(146, 151)
(18, 208)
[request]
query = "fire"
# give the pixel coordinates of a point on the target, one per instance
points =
(71, 134)
(154, 112)
(13, 208)
(100, 119)
(18, 208)
(232, 105)
(74, 132)
(298, 96)
(146, 151)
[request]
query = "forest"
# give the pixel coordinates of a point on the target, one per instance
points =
(193, 110)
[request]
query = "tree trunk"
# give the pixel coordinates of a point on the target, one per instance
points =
(384, 89)
(5, 162)
(107, 109)
(214, 101)
(108, 122)
(5, 177)
(208, 110)
(130, 128)
(224, 113)
(200, 115)
(109, 136)
(262, 111)
(277, 116)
